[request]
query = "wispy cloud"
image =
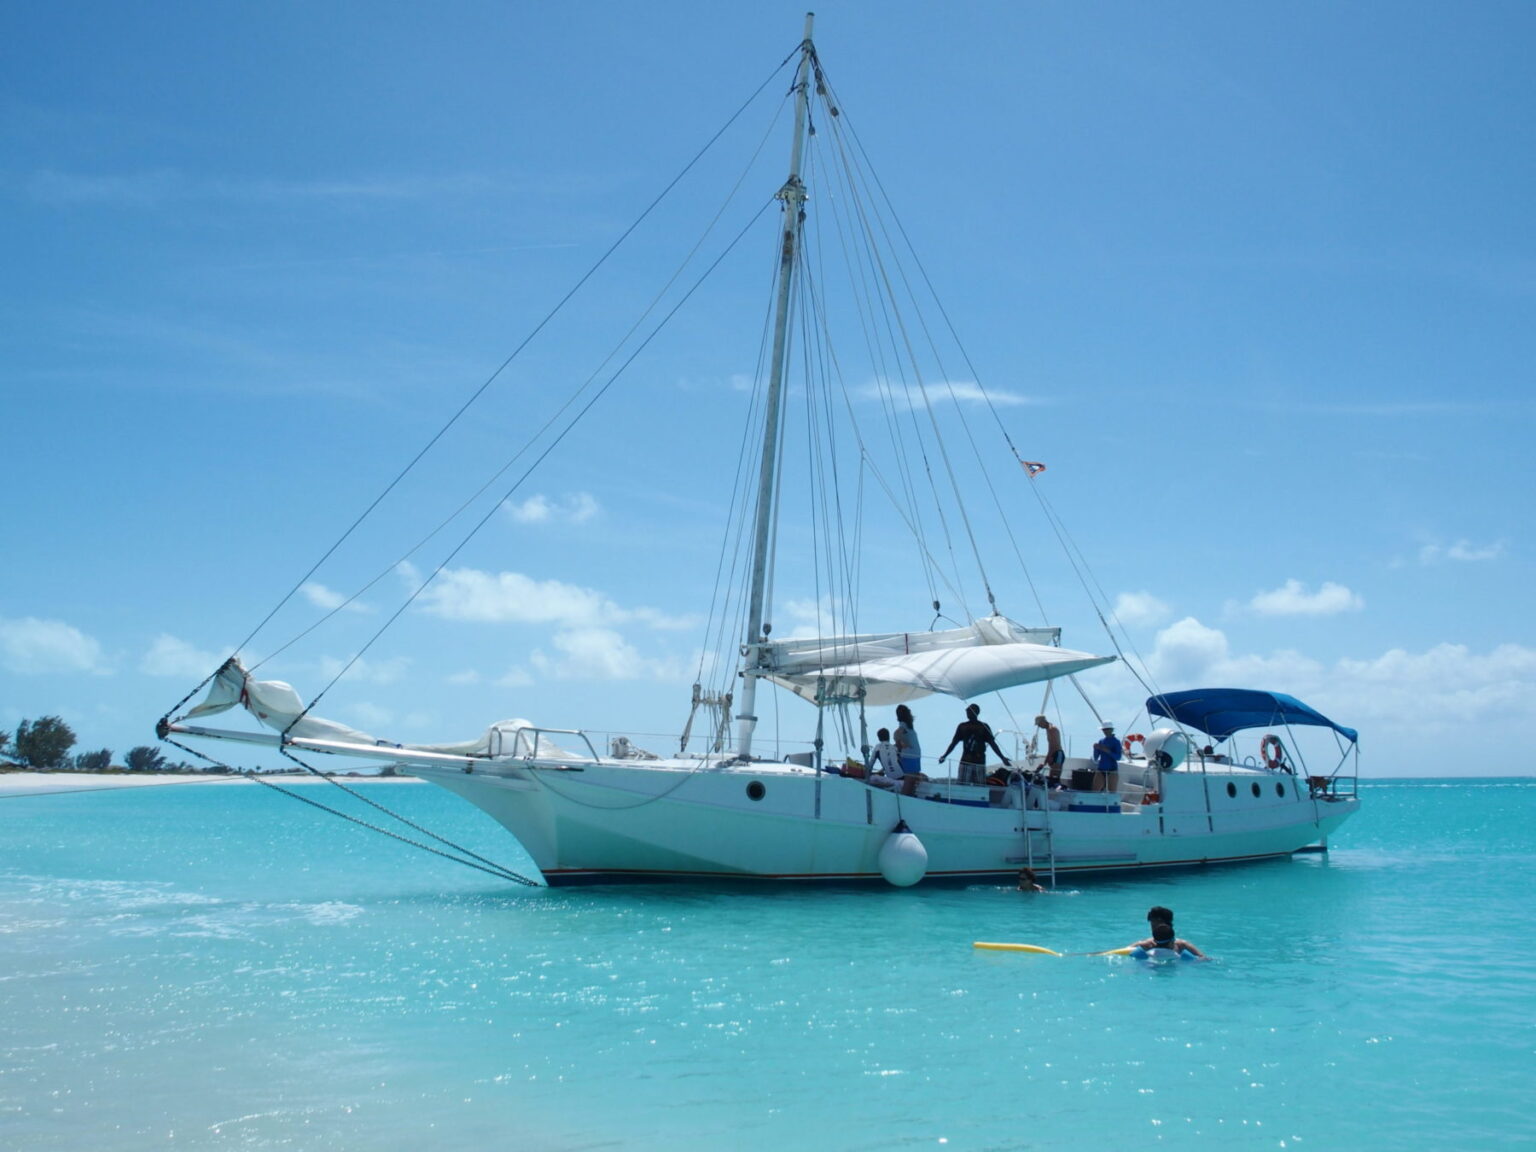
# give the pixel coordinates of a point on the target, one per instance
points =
(906, 398)
(576, 508)
(1461, 552)
(366, 671)
(600, 654)
(171, 656)
(329, 599)
(470, 595)
(31, 646)
(1138, 608)
(1293, 599)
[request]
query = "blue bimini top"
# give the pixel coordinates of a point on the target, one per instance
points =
(1219, 712)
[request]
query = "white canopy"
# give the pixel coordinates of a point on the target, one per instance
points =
(891, 668)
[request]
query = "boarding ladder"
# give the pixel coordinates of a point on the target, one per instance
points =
(1044, 832)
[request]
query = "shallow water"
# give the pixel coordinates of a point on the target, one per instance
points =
(220, 967)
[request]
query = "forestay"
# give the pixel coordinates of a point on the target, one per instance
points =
(991, 654)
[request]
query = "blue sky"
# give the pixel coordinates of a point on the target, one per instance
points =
(1256, 281)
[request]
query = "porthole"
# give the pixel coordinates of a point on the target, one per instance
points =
(1255, 790)
(756, 791)
(1231, 788)
(1279, 789)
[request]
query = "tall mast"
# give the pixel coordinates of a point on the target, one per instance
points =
(793, 197)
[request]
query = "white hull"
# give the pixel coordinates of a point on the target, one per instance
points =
(595, 821)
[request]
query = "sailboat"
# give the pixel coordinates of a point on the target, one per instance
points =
(719, 808)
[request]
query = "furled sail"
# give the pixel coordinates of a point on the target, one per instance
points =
(277, 706)
(889, 668)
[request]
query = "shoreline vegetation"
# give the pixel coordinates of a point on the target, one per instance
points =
(39, 756)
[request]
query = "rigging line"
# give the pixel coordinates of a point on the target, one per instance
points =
(820, 418)
(549, 423)
(494, 869)
(394, 815)
(601, 260)
(964, 353)
(867, 296)
(847, 549)
(1091, 587)
(906, 511)
(911, 352)
(862, 293)
(949, 386)
(824, 489)
(892, 314)
(570, 426)
(814, 468)
(732, 534)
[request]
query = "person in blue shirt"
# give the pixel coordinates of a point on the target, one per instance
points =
(1106, 756)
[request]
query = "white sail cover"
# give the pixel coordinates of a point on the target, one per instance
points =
(894, 667)
(280, 708)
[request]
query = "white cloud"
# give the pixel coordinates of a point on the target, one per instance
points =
(366, 671)
(1136, 608)
(577, 508)
(1462, 552)
(598, 654)
(1293, 599)
(31, 646)
(1399, 696)
(512, 598)
(805, 619)
(468, 676)
(1446, 687)
(514, 677)
(906, 397)
(329, 599)
(170, 656)
(1185, 650)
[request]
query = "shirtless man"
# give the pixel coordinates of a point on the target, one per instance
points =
(1054, 756)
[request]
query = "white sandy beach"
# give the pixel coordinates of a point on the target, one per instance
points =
(34, 783)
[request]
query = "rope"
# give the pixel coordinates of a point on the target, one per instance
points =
(489, 867)
(463, 408)
(553, 444)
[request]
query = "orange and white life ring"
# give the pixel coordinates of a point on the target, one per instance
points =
(1272, 760)
(1135, 738)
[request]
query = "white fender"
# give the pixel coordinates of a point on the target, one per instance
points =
(1167, 749)
(903, 859)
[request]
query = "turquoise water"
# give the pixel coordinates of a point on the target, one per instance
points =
(219, 967)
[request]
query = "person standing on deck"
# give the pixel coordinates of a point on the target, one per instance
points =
(974, 737)
(909, 749)
(1106, 755)
(1054, 756)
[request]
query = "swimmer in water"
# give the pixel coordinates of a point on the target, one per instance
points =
(1163, 937)
(1027, 881)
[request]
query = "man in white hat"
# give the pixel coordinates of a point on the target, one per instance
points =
(1106, 755)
